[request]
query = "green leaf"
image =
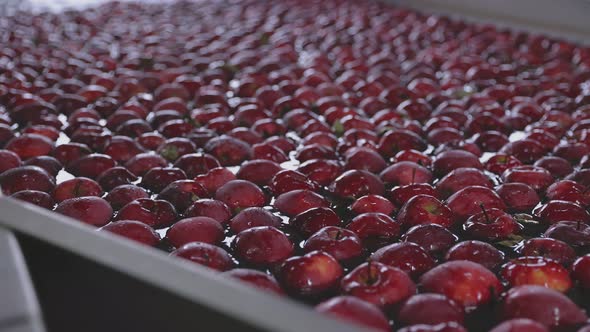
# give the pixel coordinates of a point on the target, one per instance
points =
(170, 153)
(338, 128)
(525, 219)
(264, 38)
(511, 241)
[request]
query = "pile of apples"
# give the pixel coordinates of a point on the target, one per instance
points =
(397, 170)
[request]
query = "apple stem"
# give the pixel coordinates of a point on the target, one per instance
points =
(370, 277)
(338, 234)
(485, 213)
(77, 188)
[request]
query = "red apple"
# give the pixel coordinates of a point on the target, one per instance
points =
(478, 252)
(378, 284)
(209, 208)
(259, 171)
(321, 171)
(468, 201)
(536, 177)
(94, 211)
(581, 271)
(310, 275)
(374, 229)
(519, 324)
(442, 327)
(143, 162)
(35, 197)
(288, 180)
(26, 178)
(312, 220)
(499, 163)
(435, 238)
(27, 146)
(519, 197)
(461, 178)
(342, 244)
(158, 178)
(49, 164)
(91, 166)
(133, 230)
(195, 229)
(570, 191)
(372, 203)
(526, 150)
(448, 161)
(114, 177)
(154, 213)
(553, 249)
(401, 194)
(77, 187)
(531, 270)
(206, 255)
(407, 256)
(8, 160)
(262, 246)
(491, 225)
(467, 283)
(555, 211)
(253, 217)
(125, 194)
(430, 309)
(297, 201)
(424, 209)
(259, 280)
(557, 166)
(356, 183)
(394, 141)
(356, 311)
(405, 173)
(543, 305)
(182, 193)
(196, 163)
(362, 158)
(240, 194)
(228, 150)
(574, 233)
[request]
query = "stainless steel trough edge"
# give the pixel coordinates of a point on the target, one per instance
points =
(197, 284)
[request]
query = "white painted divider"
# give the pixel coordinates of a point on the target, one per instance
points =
(19, 311)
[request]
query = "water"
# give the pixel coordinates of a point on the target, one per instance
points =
(58, 5)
